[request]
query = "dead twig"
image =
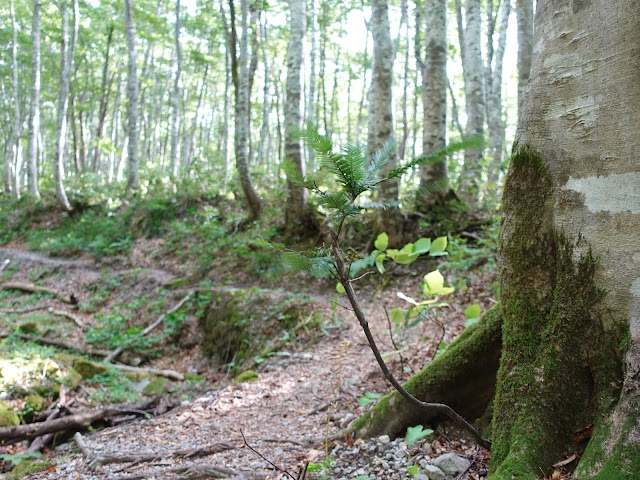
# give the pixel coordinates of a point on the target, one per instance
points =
(74, 318)
(4, 265)
(264, 458)
(393, 342)
(151, 327)
(186, 472)
(34, 308)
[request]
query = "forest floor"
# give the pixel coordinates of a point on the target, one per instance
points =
(305, 394)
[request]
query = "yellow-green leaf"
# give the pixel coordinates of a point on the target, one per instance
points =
(382, 242)
(339, 288)
(380, 262)
(438, 247)
(422, 245)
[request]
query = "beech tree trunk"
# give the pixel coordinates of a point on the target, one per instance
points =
(132, 93)
(175, 112)
(470, 41)
(240, 75)
(66, 61)
(295, 209)
(313, 20)
(34, 111)
(569, 375)
(434, 178)
(524, 13)
(381, 125)
(12, 162)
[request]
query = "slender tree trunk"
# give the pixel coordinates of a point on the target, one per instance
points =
(313, 20)
(405, 85)
(434, 178)
(104, 99)
(474, 94)
(494, 97)
(364, 81)
(175, 117)
(524, 13)
(323, 62)
(114, 130)
(34, 113)
(266, 104)
(296, 195)
(11, 163)
(389, 220)
(240, 75)
(132, 94)
(66, 63)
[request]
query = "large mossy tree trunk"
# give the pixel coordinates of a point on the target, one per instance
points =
(570, 286)
(570, 259)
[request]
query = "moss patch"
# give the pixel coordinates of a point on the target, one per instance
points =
(247, 376)
(8, 417)
(155, 387)
(87, 369)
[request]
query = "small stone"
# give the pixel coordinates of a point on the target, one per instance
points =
(451, 464)
(384, 439)
(433, 472)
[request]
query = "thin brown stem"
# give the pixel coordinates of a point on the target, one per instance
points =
(431, 408)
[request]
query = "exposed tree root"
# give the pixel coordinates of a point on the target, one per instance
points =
(463, 377)
(27, 287)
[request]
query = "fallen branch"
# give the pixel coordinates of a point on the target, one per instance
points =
(151, 456)
(151, 327)
(25, 310)
(75, 422)
(5, 264)
(57, 343)
(27, 287)
(186, 472)
(75, 319)
(170, 374)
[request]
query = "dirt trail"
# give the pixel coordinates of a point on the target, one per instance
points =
(283, 415)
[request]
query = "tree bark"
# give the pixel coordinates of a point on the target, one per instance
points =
(434, 177)
(568, 240)
(34, 111)
(295, 208)
(240, 76)
(474, 94)
(313, 20)
(175, 117)
(524, 13)
(66, 62)
(104, 100)
(133, 92)
(389, 220)
(12, 163)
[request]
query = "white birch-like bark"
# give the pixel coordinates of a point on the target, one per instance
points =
(434, 181)
(241, 74)
(494, 94)
(175, 117)
(12, 162)
(313, 20)
(296, 195)
(524, 14)
(34, 110)
(132, 94)
(266, 97)
(474, 94)
(381, 127)
(66, 62)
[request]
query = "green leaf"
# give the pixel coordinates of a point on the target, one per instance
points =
(340, 288)
(416, 433)
(422, 245)
(472, 311)
(296, 262)
(471, 321)
(439, 247)
(382, 242)
(397, 315)
(405, 258)
(380, 262)
(368, 397)
(434, 284)
(413, 470)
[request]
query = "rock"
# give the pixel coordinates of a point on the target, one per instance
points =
(73, 379)
(88, 369)
(384, 439)
(451, 464)
(154, 387)
(433, 472)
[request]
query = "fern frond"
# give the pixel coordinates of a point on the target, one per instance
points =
(320, 143)
(438, 156)
(380, 206)
(294, 175)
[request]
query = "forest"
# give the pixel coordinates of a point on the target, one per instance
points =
(319, 239)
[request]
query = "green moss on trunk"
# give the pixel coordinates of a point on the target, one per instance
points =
(463, 377)
(560, 368)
